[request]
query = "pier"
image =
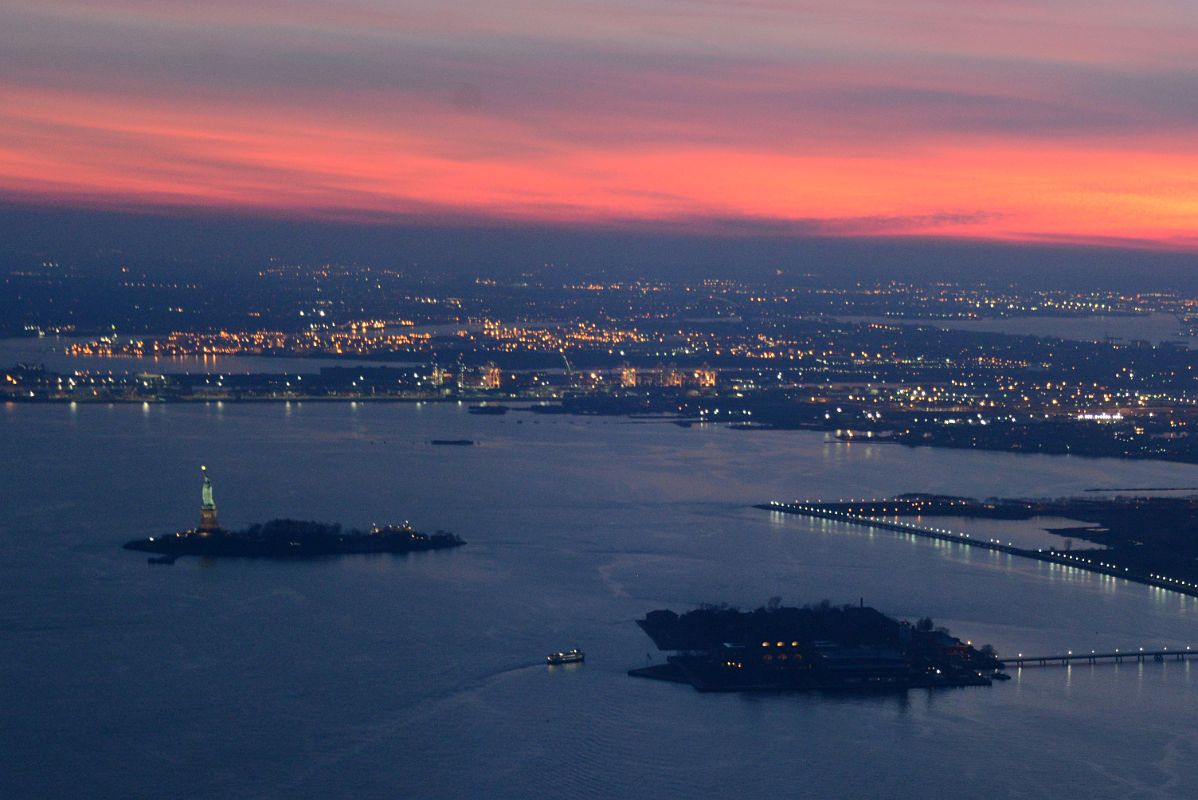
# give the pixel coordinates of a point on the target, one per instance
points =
(1087, 563)
(1117, 656)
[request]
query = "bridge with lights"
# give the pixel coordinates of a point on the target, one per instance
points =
(1070, 560)
(1093, 657)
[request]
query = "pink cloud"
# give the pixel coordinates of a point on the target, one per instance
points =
(1010, 120)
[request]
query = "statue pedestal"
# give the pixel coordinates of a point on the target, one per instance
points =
(208, 520)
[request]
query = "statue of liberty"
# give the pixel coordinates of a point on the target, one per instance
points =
(208, 520)
(206, 493)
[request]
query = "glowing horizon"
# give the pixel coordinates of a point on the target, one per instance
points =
(1023, 122)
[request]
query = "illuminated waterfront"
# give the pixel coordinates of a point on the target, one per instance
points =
(425, 675)
(762, 354)
(52, 352)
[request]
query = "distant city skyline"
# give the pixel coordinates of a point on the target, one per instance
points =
(1054, 123)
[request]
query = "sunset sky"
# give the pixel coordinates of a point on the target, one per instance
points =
(1057, 121)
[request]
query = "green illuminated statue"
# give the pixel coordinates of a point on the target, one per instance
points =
(208, 522)
(206, 492)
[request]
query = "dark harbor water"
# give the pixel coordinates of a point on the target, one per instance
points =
(423, 676)
(1156, 327)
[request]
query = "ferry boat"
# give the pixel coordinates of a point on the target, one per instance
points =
(488, 409)
(566, 657)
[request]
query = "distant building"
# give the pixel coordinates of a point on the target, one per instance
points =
(487, 377)
(152, 380)
(667, 377)
(704, 377)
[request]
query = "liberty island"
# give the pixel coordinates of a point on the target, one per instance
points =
(284, 538)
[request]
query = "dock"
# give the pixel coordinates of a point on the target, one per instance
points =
(1086, 563)
(1139, 655)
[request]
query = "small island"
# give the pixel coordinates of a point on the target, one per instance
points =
(821, 647)
(284, 538)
